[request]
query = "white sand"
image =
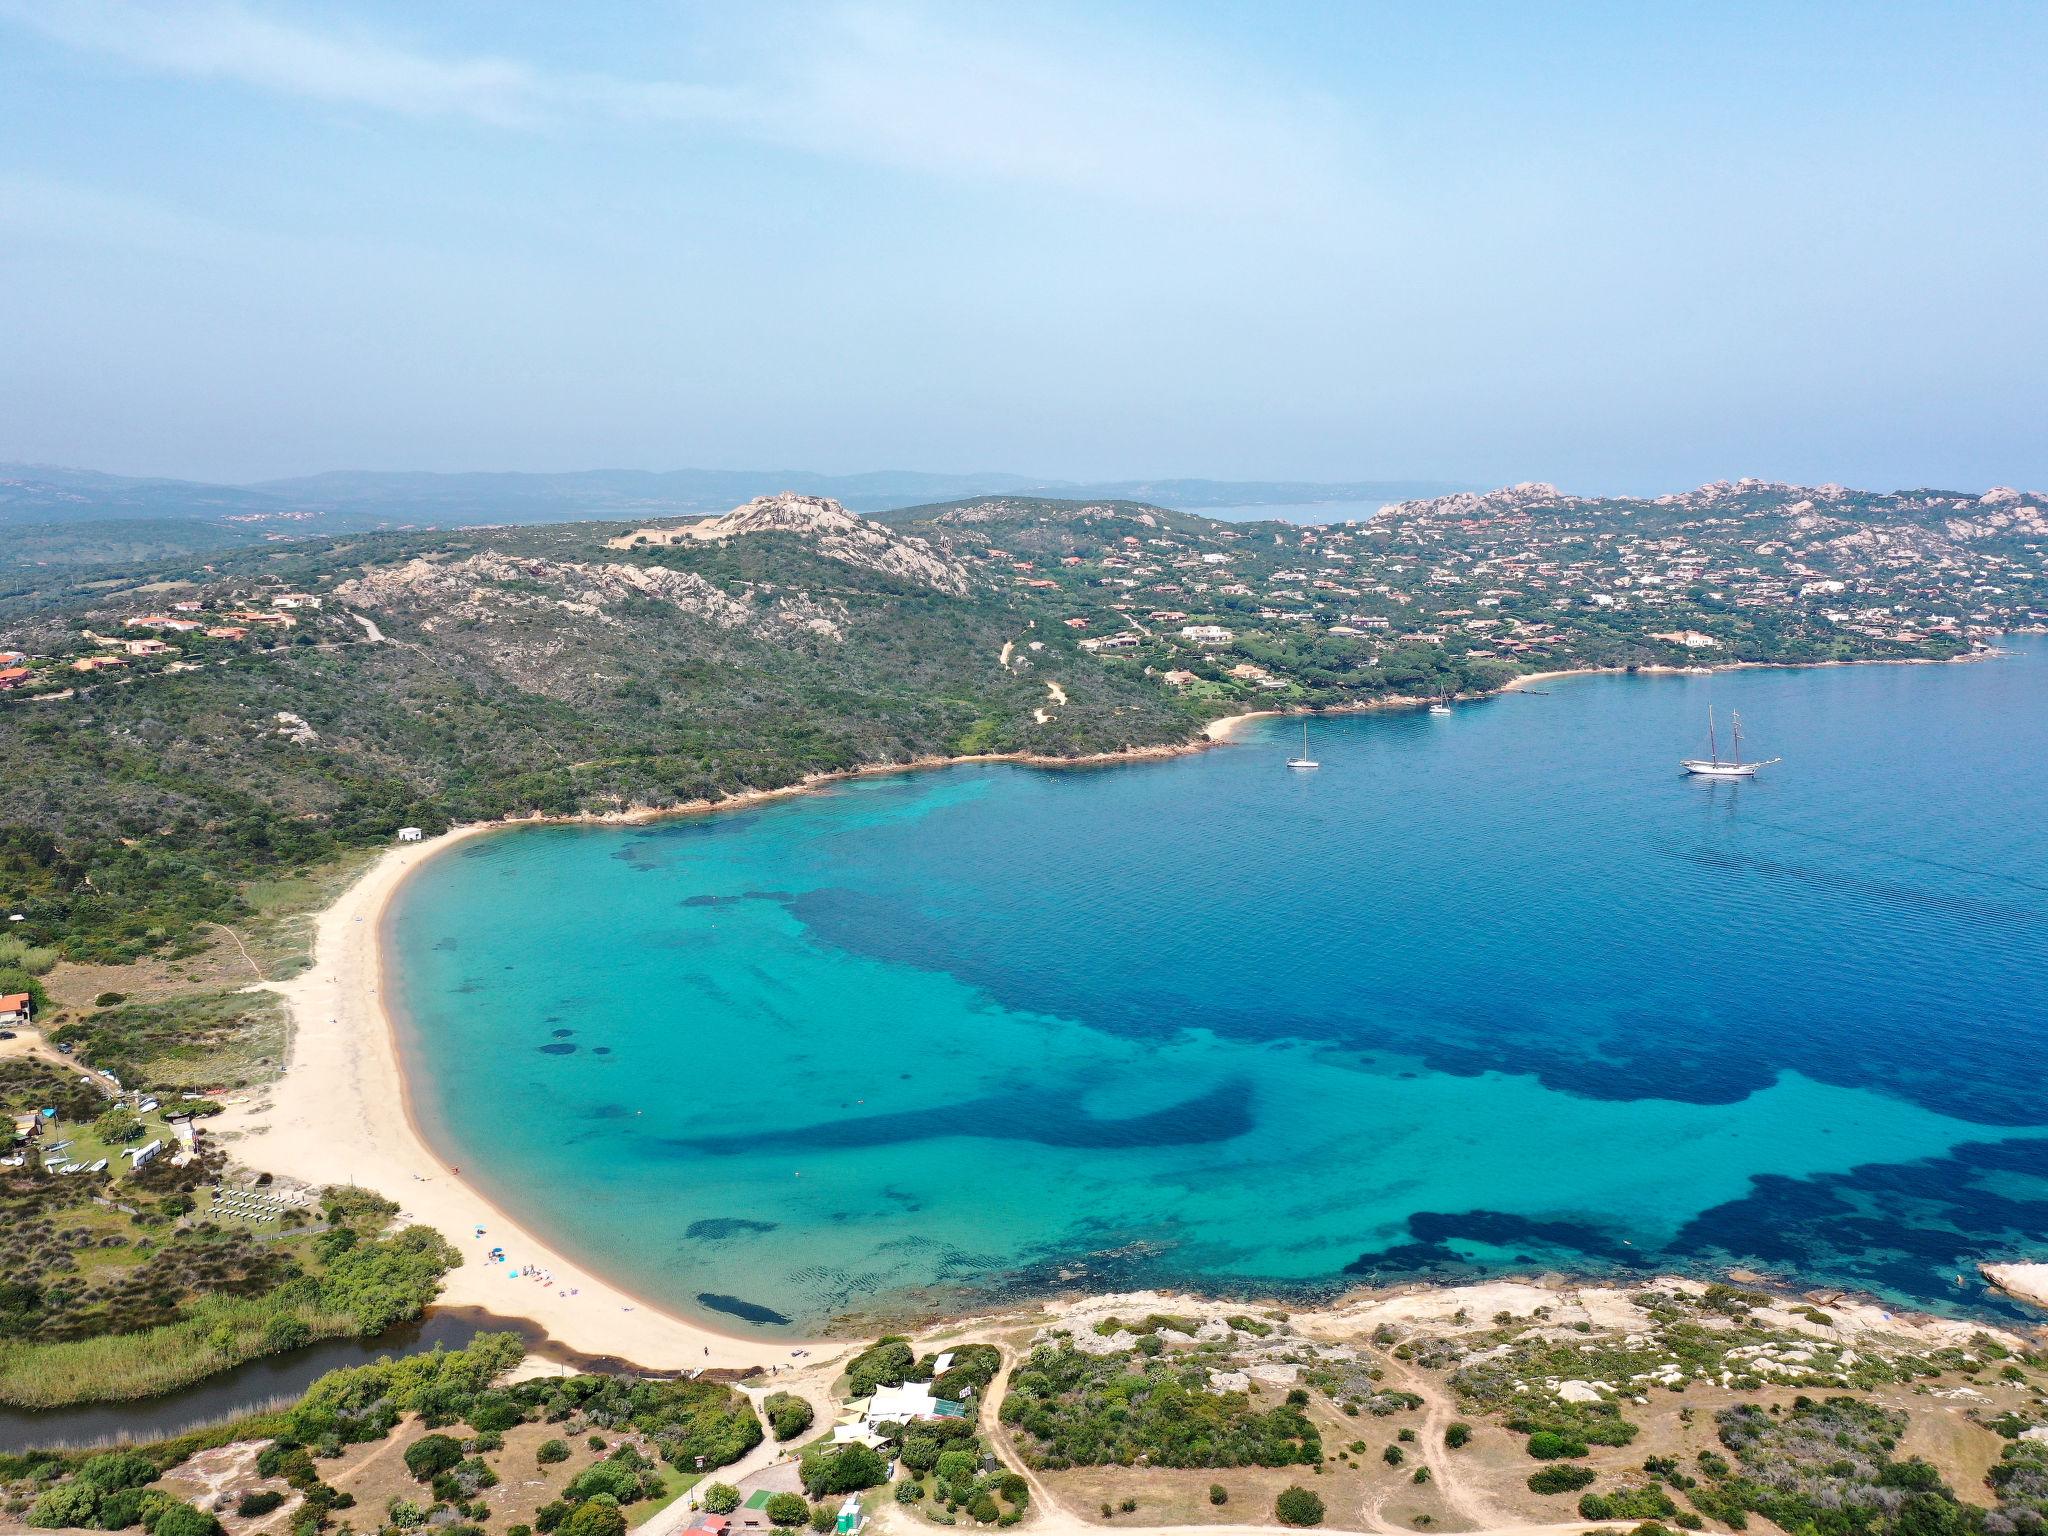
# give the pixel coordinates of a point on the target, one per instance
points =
(339, 1116)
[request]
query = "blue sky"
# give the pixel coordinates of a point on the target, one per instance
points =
(1621, 247)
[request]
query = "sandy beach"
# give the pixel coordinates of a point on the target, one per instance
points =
(339, 1116)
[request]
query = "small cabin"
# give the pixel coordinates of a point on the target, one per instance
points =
(14, 1008)
(409, 834)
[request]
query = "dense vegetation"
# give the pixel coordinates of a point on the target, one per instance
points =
(1827, 1466)
(138, 1296)
(456, 1394)
(1071, 1409)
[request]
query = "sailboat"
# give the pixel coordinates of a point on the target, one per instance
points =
(1303, 761)
(1713, 765)
(1441, 705)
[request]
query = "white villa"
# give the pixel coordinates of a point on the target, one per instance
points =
(906, 1404)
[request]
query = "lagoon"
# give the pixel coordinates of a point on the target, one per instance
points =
(1493, 992)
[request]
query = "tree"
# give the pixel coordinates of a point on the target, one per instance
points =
(431, 1455)
(549, 1452)
(1218, 1494)
(1297, 1506)
(823, 1518)
(721, 1498)
(1457, 1434)
(786, 1509)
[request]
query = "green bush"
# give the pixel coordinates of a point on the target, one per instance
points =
(908, 1492)
(431, 1455)
(788, 1414)
(1218, 1494)
(1548, 1445)
(1457, 1434)
(599, 1516)
(1647, 1503)
(550, 1452)
(823, 1518)
(888, 1362)
(845, 1469)
(258, 1501)
(72, 1503)
(720, 1498)
(1297, 1506)
(184, 1520)
(786, 1509)
(1563, 1478)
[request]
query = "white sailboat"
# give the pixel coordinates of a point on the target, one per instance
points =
(1303, 761)
(1713, 765)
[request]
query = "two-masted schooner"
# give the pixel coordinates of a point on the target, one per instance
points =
(1715, 766)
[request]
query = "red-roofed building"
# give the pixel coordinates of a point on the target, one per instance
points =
(14, 677)
(14, 1008)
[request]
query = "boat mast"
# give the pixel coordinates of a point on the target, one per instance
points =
(1713, 741)
(1737, 718)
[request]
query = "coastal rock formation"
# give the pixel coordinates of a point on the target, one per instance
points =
(835, 532)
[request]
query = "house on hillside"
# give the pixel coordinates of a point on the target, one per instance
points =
(13, 677)
(15, 1009)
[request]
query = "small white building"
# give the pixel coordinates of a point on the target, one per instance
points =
(409, 834)
(143, 1154)
(1206, 634)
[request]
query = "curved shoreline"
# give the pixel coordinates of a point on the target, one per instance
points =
(342, 1112)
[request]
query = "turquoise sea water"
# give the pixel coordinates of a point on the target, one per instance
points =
(1498, 991)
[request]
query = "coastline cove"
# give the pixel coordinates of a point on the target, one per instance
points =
(1490, 992)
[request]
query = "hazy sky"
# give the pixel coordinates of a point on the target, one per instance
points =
(1633, 246)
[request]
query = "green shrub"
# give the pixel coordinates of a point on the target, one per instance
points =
(786, 1509)
(1647, 1503)
(599, 1516)
(1563, 1478)
(550, 1452)
(847, 1469)
(1218, 1494)
(431, 1455)
(1297, 1506)
(720, 1498)
(183, 1520)
(1457, 1434)
(888, 1362)
(258, 1501)
(788, 1414)
(1548, 1445)
(908, 1492)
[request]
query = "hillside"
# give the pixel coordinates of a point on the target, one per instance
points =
(349, 501)
(174, 729)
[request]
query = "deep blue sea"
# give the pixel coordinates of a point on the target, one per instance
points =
(1498, 991)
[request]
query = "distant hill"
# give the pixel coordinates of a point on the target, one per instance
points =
(347, 501)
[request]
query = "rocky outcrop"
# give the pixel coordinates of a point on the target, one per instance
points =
(834, 532)
(490, 587)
